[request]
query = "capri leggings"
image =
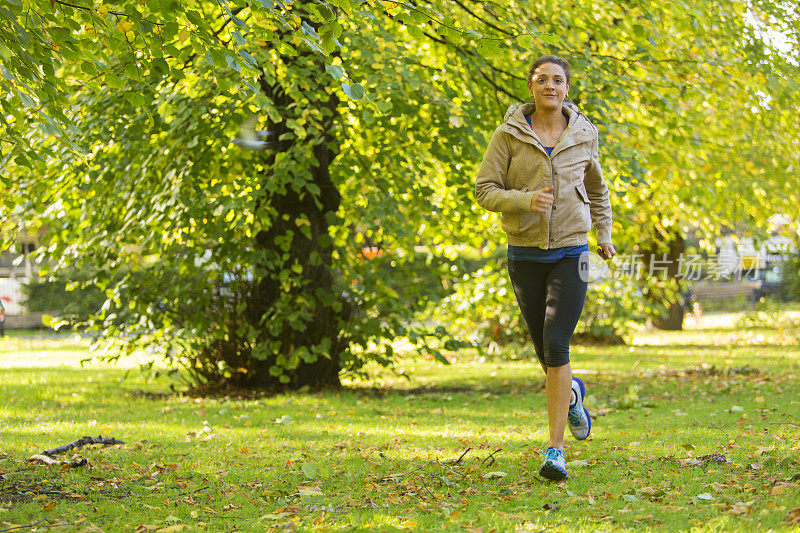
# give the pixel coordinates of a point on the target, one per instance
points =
(550, 297)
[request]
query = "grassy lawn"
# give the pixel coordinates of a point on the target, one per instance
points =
(456, 448)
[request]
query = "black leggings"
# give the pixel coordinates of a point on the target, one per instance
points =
(550, 297)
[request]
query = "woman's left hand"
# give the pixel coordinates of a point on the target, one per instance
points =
(606, 250)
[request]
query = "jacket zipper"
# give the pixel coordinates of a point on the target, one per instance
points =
(553, 178)
(548, 239)
(550, 214)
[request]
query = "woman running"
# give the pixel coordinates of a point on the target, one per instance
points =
(541, 172)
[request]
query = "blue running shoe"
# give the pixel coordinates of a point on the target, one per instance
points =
(553, 467)
(580, 423)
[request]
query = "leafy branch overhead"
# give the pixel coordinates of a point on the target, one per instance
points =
(50, 49)
(351, 221)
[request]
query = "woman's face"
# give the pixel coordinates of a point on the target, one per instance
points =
(549, 86)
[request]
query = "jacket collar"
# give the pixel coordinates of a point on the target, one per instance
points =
(579, 129)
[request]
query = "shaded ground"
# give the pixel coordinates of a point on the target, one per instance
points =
(692, 429)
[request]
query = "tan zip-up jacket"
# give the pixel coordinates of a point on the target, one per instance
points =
(516, 165)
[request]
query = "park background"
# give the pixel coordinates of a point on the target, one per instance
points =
(320, 333)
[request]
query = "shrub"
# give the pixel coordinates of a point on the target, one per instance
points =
(52, 296)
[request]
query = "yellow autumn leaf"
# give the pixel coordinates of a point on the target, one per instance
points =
(172, 528)
(309, 491)
(124, 26)
(184, 34)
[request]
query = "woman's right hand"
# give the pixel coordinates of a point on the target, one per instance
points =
(542, 200)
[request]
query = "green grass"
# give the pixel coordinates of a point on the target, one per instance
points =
(383, 455)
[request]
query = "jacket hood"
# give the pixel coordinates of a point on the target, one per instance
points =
(516, 113)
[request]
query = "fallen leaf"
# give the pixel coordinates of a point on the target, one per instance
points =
(48, 506)
(630, 498)
(309, 470)
(793, 517)
(779, 489)
(274, 516)
(741, 507)
(652, 491)
(577, 463)
(736, 408)
(490, 475)
(172, 528)
(720, 458)
(550, 507)
(705, 496)
(309, 491)
(687, 446)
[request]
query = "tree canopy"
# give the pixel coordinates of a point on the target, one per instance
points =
(247, 267)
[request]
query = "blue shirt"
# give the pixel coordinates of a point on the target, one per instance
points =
(548, 149)
(553, 255)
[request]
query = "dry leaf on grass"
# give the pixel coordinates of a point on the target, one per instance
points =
(741, 508)
(309, 491)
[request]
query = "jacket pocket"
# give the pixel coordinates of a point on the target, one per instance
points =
(523, 222)
(584, 207)
(509, 221)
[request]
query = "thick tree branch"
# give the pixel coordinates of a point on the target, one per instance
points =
(83, 441)
(481, 19)
(468, 54)
(234, 12)
(117, 13)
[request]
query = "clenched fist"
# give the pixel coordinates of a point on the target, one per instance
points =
(542, 200)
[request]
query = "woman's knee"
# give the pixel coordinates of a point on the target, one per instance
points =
(556, 354)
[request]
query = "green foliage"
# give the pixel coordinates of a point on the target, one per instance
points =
(613, 307)
(240, 266)
(67, 296)
(790, 277)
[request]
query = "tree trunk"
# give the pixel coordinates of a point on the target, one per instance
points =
(667, 266)
(293, 306)
(323, 320)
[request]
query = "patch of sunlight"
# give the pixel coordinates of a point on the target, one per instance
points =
(460, 432)
(384, 521)
(719, 320)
